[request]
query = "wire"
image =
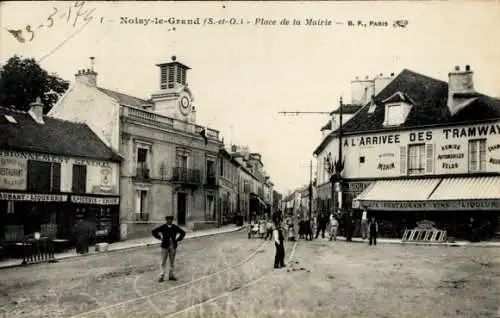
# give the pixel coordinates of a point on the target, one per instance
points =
(64, 42)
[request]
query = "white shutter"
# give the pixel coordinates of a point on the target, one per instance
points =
(429, 167)
(402, 160)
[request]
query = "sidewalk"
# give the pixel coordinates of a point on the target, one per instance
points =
(398, 241)
(134, 243)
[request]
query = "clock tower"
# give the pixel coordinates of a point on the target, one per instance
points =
(174, 99)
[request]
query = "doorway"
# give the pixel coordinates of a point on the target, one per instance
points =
(181, 208)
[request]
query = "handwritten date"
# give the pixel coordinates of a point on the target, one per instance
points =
(73, 14)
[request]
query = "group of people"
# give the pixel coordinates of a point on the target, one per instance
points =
(170, 234)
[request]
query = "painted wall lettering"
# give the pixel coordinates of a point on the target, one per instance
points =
(450, 156)
(373, 140)
(494, 160)
(472, 131)
(386, 161)
(420, 136)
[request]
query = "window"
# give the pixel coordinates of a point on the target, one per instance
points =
(362, 159)
(416, 159)
(210, 169)
(142, 156)
(477, 155)
(44, 176)
(393, 115)
(79, 179)
(141, 205)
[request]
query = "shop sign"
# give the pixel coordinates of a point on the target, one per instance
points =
(450, 156)
(33, 197)
(13, 172)
(358, 187)
(94, 200)
(52, 158)
(493, 160)
(472, 132)
(487, 204)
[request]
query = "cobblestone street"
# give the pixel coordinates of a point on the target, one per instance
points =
(229, 275)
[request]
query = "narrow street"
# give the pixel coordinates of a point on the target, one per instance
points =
(229, 275)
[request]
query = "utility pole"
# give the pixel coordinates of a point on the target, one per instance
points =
(336, 176)
(310, 190)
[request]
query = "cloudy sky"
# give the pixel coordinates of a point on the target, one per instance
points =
(243, 75)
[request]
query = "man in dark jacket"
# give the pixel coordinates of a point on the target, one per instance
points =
(322, 220)
(167, 233)
(279, 258)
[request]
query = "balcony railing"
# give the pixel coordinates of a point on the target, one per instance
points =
(150, 117)
(185, 175)
(142, 173)
(211, 180)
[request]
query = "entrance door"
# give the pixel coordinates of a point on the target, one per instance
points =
(181, 208)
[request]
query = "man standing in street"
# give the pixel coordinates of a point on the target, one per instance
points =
(321, 225)
(373, 229)
(167, 233)
(279, 258)
(334, 225)
(364, 224)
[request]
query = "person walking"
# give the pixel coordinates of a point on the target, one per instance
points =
(279, 242)
(169, 234)
(373, 229)
(322, 221)
(334, 226)
(364, 224)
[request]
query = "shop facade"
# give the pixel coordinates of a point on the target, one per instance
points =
(50, 194)
(420, 150)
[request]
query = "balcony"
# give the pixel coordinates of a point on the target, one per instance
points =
(211, 181)
(142, 173)
(152, 118)
(186, 176)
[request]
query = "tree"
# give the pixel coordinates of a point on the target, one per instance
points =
(22, 80)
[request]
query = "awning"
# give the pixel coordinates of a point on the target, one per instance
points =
(470, 188)
(410, 194)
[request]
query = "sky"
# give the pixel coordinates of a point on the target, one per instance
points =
(243, 75)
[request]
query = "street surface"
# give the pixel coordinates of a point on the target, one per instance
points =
(229, 275)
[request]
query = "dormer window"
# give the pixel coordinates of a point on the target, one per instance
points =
(397, 108)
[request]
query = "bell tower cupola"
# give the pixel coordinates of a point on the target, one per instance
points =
(174, 99)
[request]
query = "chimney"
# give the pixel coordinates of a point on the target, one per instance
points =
(460, 88)
(361, 90)
(87, 76)
(380, 82)
(36, 111)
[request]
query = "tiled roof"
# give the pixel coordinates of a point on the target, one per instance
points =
(124, 99)
(429, 96)
(55, 136)
(347, 109)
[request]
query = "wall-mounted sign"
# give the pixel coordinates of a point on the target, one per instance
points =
(357, 187)
(451, 155)
(494, 160)
(94, 200)
(34, 197)
(474, 131)
(52, 158)
(453, 205)
(13, 172)
(386, 161)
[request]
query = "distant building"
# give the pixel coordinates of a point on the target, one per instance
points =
(169, 167)
(54, 173)
(228, 187)
(421, 148)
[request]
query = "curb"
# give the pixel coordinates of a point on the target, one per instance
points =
(447, 244)
(120, 249)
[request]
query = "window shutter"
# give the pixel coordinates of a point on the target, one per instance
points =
(429, 167)
(402, 160)
(75, 178)
(56, 177)
(83, 179)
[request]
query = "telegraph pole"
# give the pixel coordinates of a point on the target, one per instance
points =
(310, 190)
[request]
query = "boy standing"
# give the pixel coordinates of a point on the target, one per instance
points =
(373, 231)
(167, 233)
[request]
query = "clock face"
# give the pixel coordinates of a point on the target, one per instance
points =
(185, 105)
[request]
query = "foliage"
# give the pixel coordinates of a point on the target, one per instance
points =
(22, 80)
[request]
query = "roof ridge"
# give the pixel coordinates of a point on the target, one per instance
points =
(422, 75)
(115, 91)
